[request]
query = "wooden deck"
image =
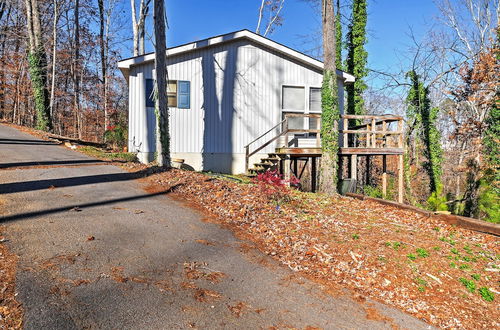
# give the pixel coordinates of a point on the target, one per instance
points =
(359, 136)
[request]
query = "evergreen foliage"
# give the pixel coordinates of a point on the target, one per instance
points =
(424, 119)
(357, 58)
(338, 37)
(329, 118)
(37, 68)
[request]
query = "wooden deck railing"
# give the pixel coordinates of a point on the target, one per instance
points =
(373, 132)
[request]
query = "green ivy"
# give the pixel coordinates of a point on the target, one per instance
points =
(357, 58)
(38, 74)
(425, 118)
(338, 37)
(330, 116)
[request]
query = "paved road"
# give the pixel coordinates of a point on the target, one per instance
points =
(96, 251)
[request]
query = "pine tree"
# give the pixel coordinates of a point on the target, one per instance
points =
(357, 58)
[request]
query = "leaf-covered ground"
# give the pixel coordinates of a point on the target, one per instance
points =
(11, 311)
(444, 275)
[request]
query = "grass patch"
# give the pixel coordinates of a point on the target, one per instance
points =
(486, 294)
(411, 256)
(423, 253)
(469, 284)
(103, 154)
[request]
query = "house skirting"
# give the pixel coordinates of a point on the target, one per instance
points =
(231, 163)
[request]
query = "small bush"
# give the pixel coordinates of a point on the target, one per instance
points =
(486, 294)
(272, 185)
(115, 137)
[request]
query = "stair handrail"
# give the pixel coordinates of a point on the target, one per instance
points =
(248, 154)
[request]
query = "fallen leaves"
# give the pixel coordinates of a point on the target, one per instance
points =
(11, 311)
(361, 245)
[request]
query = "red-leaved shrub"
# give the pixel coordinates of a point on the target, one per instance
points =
(272, 185)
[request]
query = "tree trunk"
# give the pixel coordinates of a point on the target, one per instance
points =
(104, 61)
(329, 103)
(37, 60)
(161, 105)
(76, 64)
(54, 58)
(138, 25)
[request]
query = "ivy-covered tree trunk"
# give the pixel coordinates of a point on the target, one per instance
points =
(329, 104)
(161, 105)
(37, 62)
(425, 118)
(357, 58)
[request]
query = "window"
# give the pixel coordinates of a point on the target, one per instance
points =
(314, 99)
(178, 94)
(293, 98)
(150, 101)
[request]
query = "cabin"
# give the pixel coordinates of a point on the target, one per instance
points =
(223, 93)
(242, 103)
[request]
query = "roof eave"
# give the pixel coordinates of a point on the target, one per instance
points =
(125, 65)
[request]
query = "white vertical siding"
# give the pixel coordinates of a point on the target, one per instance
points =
(235, 97)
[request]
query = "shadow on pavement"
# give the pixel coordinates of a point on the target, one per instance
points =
(81, 207)
(26, 141)
(15, 187)
(53, 162)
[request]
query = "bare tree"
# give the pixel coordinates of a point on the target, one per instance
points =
(139, 24)
(161, 105)
(270, 16)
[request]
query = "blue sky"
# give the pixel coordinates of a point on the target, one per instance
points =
(388, 24)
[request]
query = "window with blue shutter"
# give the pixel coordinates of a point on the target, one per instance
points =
(183, 94)
(150, 101)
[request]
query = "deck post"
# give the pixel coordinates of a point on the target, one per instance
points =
(374, 135)
(384, 176)
(367, 170)
(354, 167)
(400, 178)
(286, 169)
(313, 174)
(247, 153)
(345, 127)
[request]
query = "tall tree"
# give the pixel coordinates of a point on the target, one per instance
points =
(161, 105)
(139, 24)
(357, 58)
(37, 61)
(329, 103)
(338, 38)
(104, 60)
(76, 66)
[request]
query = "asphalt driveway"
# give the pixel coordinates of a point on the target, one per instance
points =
(97, 251)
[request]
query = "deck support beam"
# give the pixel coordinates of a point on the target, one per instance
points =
(354, 167)
(287, 169)
(400, 178)
(384, 176)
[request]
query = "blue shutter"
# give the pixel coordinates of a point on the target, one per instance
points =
(183, 94)
(150, 102)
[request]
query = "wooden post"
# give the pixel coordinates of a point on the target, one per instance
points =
(313, 174)
(367, 170)
(384, 176)
(286, 170)
(344, 135)
(247, 158)
(400, 178)
(374, 136)
(286, 131)
(354, 167)
(368, 136)
(384, 137)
